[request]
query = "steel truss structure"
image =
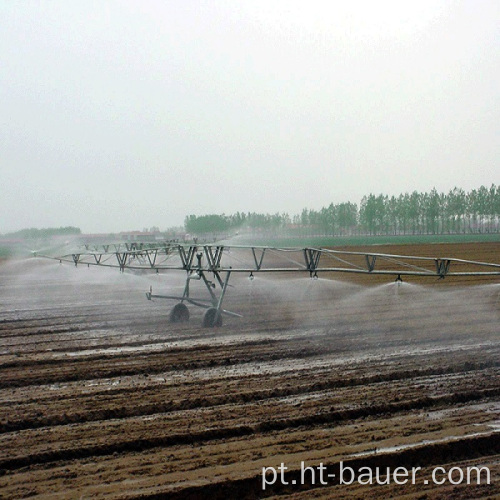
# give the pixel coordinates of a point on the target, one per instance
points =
(218, 262)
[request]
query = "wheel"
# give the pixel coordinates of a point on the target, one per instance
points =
(179, 314)
(212, 318)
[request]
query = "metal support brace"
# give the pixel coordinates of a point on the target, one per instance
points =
(223, 292)
(149, 253)
(122, 260)
(187, 259)
(312, 257)
(370, 262)
(258, 260)
(213, 257)
(216, 302)
(442, 267)
(210, 286)
(185, 294)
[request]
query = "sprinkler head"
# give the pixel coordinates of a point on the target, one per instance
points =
(251, 277)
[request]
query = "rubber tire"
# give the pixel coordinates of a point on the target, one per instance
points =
(211, 318)
(179, 313)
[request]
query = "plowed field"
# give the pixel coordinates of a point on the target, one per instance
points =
(102, 397)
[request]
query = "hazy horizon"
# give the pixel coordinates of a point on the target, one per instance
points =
(125, 115)
(400, 199)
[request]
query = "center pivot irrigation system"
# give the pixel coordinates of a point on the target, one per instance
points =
(218, 262)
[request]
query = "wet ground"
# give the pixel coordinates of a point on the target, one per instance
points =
(101, 397)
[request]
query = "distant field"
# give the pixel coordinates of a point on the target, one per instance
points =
(333, 241)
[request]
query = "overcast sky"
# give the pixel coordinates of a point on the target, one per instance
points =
(131, 114)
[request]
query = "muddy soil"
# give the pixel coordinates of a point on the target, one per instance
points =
(102, 397)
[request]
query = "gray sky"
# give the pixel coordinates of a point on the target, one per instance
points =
(128, 114)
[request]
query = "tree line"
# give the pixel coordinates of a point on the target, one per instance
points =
(34, 233)
(457, 211)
